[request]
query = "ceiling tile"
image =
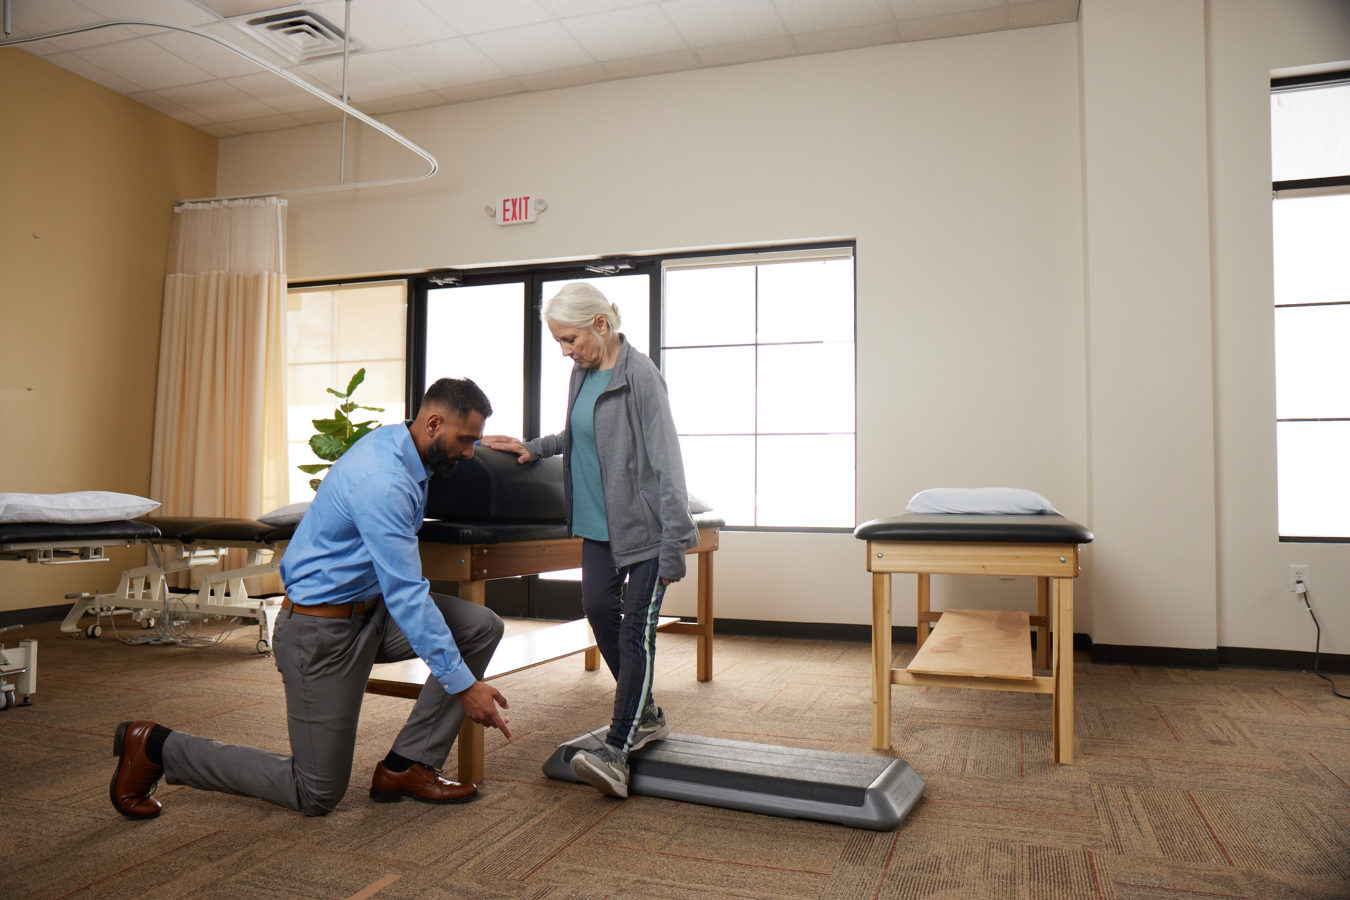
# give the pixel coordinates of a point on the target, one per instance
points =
(393, 23)
(625, 33)
(277, 92)
(220, 100)
(562, 8)
(1025, 13)
(561, 78)
(266, 123)
(205, 54)
(479, 17)
(169, 108)
(447, 64)
(531, 49)
(401, 103)
(751, 51)
(73, 62)
(679, 61)
(179, 12)
(848, 38)
(481, 90)
(410, 53)
(715, 23)
(812, 15)
(950, 26)
(146, 63)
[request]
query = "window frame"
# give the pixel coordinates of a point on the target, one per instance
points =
(1296, 188)
(534, 275)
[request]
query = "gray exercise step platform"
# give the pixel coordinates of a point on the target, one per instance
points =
(873, 792)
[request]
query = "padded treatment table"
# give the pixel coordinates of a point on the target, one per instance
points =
(496, 518)
(977, 649)
(873, 792)
(54, 544)
(48, 544)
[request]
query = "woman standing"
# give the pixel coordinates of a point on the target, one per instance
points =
(624, 492)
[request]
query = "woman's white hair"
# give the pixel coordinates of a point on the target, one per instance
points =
(577, 304)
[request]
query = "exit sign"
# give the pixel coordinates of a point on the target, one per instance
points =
(517, 210)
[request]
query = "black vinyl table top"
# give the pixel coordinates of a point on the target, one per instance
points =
(966, 527)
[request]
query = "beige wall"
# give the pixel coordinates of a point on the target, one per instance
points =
(1147, 293)
(954, 164)
(88, 180)
(1250, 39)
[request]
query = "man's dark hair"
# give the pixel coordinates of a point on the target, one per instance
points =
(459, 395)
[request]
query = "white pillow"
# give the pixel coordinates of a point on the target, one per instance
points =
(696, 505)
(76, 507)
(999, 501)
(286, 515)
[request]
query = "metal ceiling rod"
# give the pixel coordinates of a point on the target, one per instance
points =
(342, 105)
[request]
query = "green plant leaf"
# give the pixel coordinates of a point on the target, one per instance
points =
(335, 393)
(371, 408)
(359, 377)
(327, 446)
(314, 483)
(330, 426)
(314, 468)
(361, 431)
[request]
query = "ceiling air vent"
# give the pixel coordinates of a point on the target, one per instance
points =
(298, 34)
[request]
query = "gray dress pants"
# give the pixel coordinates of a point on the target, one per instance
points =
(324, 664)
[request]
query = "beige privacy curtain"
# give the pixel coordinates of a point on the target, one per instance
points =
(220, 405)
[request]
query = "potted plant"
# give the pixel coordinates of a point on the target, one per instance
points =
(336, 435)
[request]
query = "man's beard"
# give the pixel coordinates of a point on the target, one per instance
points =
(442, 465)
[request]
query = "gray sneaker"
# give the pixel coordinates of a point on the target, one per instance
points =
(605, 769)
(651, 727)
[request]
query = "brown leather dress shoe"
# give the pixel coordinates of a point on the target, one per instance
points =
(136, 776)
(420, 783)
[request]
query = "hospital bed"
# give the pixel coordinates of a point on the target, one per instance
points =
(179, 545)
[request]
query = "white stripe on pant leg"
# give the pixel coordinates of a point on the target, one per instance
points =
(648, 673)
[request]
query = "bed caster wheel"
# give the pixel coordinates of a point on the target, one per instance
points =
(93, 631)
(264, 647)
(7, 700)
(148, 623)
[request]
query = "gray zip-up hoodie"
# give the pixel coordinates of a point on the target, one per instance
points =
(641, 470)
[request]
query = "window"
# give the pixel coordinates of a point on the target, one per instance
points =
(758, 354)
(331, 332)
(757, 350)
(1310, 156)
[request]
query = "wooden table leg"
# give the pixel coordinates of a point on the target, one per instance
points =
(471, 733)
(881, 661)
(922, 626)
(1062, 728)
(1043, 631)
(592, 657)
(705, 616)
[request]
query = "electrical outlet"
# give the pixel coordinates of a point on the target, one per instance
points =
(1297, 572)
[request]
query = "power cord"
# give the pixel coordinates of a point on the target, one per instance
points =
(1302, 590)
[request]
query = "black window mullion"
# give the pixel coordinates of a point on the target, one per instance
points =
(416, 350)
(534, 352)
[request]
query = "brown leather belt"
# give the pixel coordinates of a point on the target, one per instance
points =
(326, 610)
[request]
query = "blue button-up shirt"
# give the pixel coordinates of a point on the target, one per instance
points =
(358, 540)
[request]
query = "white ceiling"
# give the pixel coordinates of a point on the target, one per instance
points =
(411, 54)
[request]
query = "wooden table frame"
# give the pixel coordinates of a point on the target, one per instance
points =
(473, 565)
(1053, 565)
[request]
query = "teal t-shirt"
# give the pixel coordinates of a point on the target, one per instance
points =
(588, 497)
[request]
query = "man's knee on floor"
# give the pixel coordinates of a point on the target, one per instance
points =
(319, 804)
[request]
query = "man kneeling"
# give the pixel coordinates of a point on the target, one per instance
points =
(355, 597)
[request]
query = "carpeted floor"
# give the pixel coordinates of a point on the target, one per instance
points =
(1188, 783)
